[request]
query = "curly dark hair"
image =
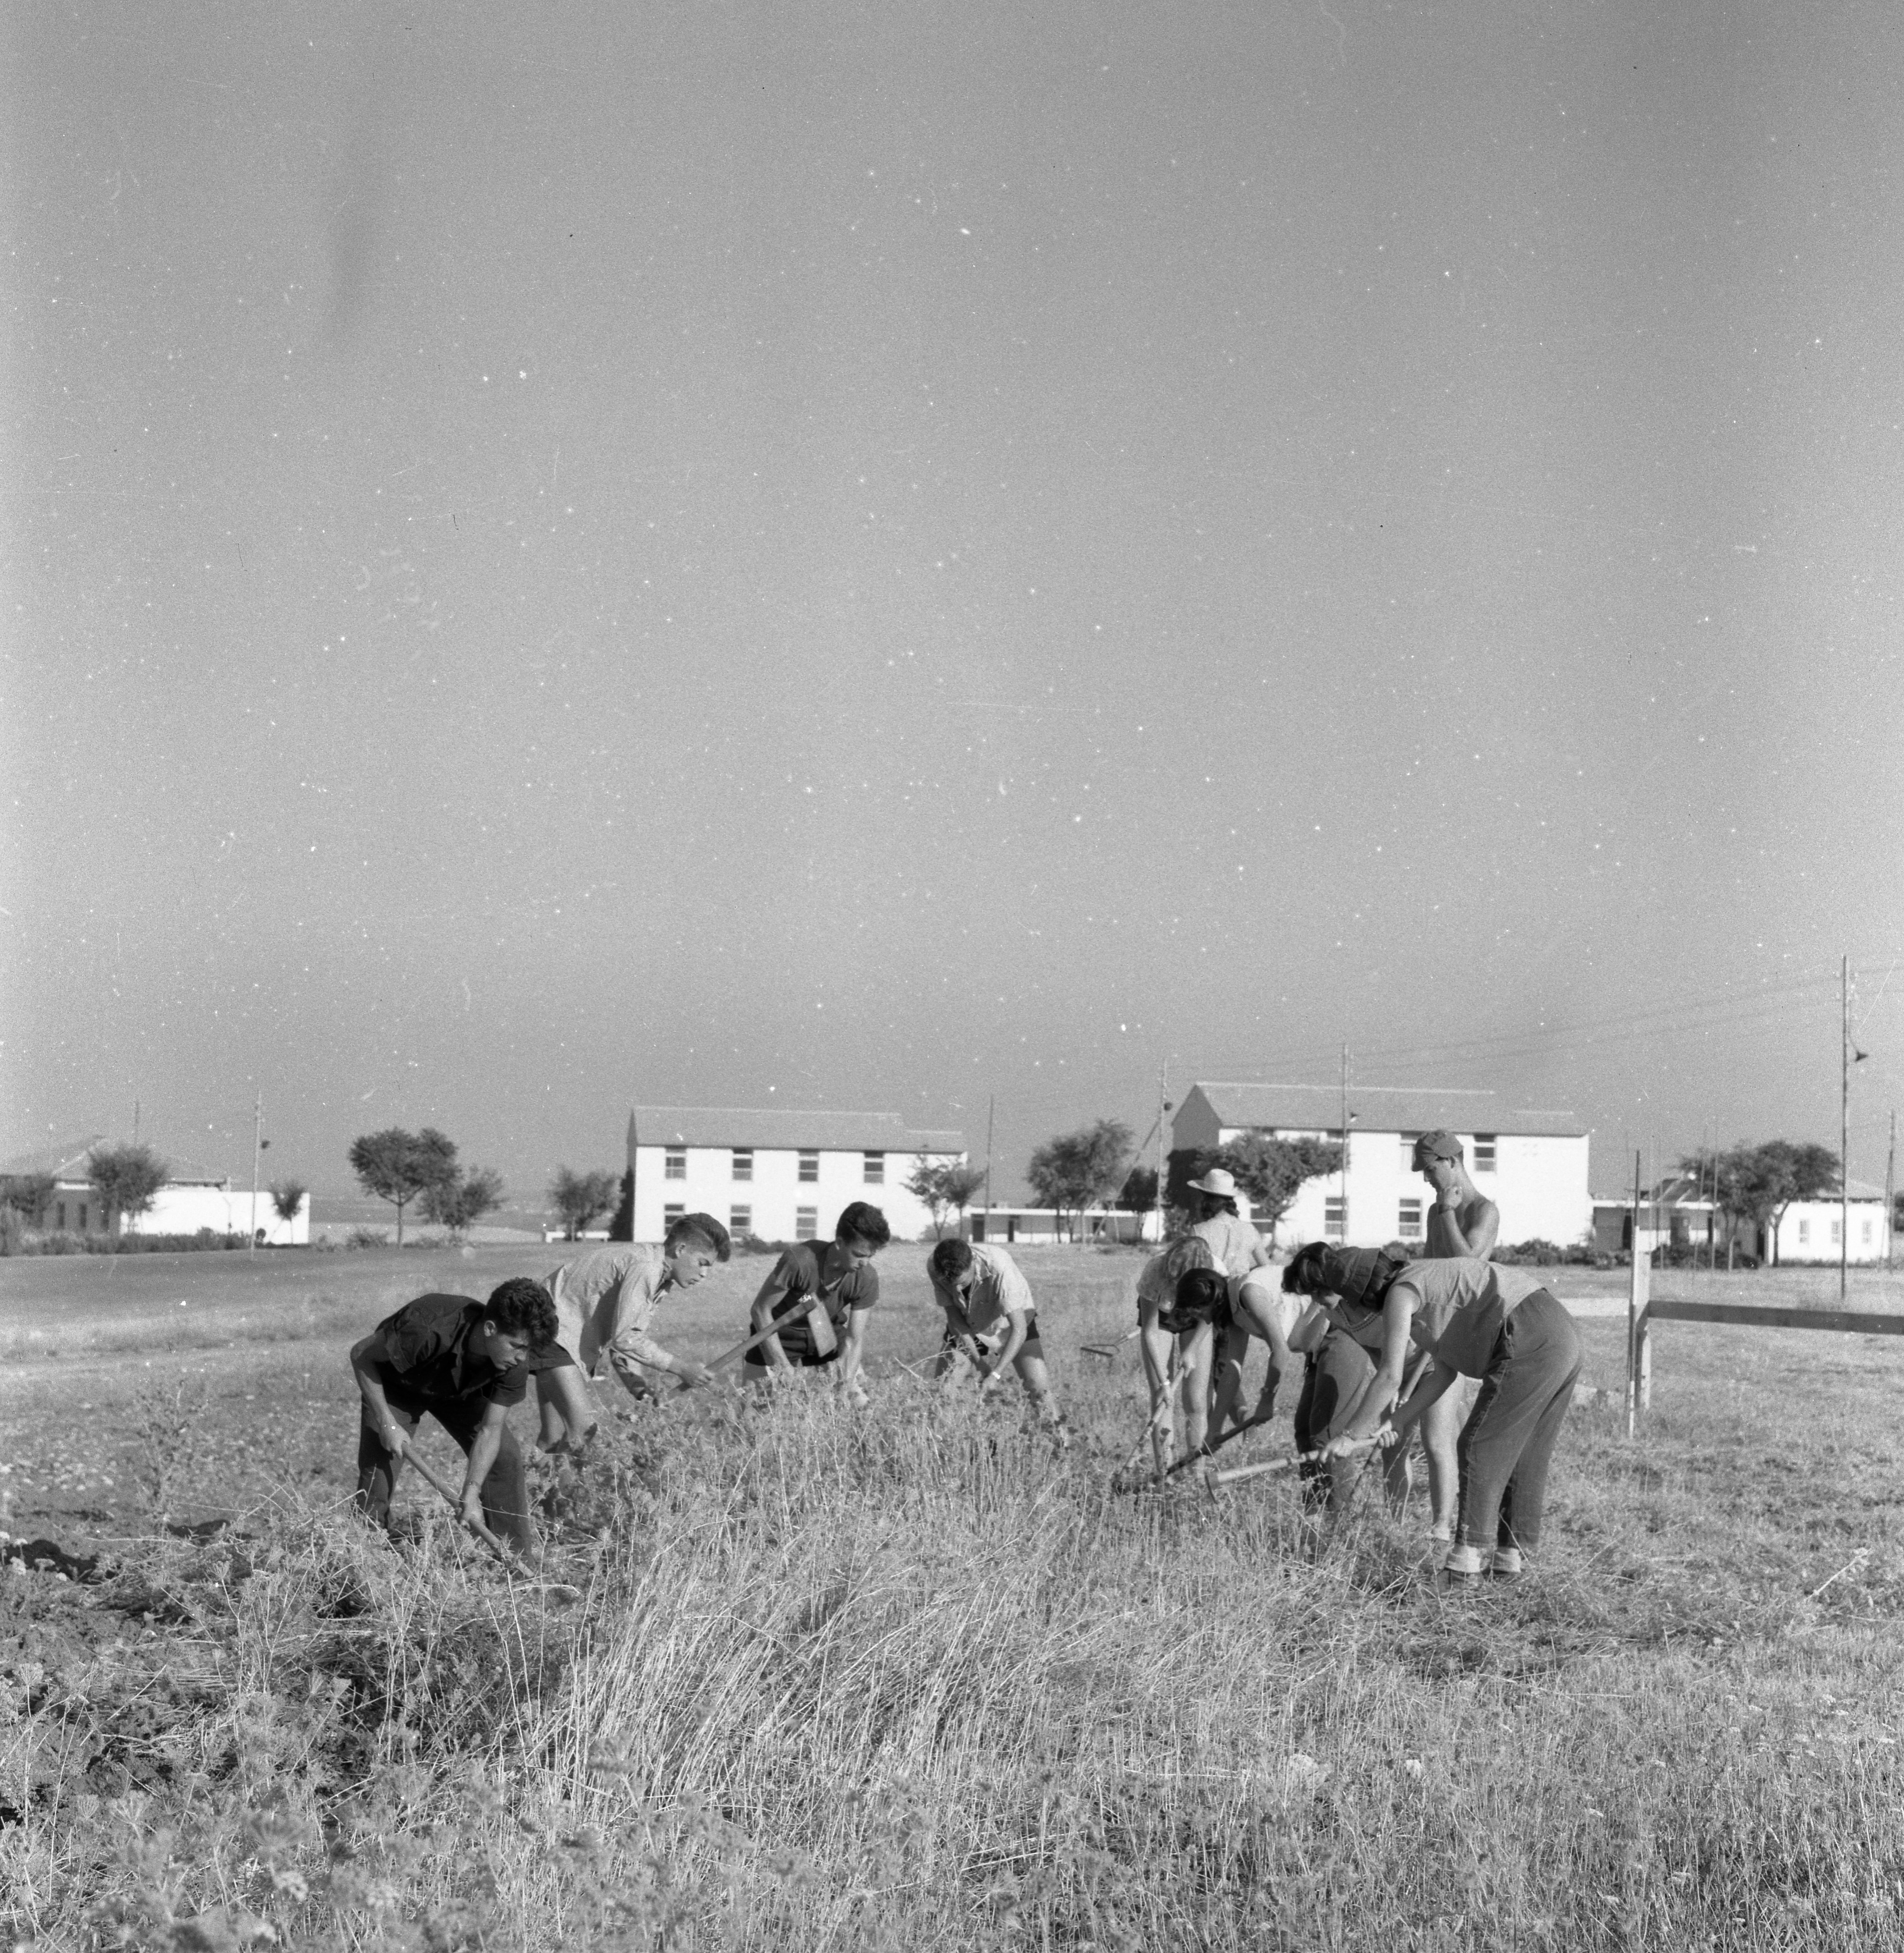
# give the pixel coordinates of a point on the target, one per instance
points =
(520, 1307)
(951, 1258)
(862, 1221)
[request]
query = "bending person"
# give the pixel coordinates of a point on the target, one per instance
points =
(818, 1299)
(1254, 1308)
(605, 1304)
(1475, 1320)
(1176, 1365)
(989, 1317)
(465, 1363)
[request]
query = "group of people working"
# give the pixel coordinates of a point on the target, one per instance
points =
(1495, 1354)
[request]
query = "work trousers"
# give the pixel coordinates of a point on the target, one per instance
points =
(1332, 1384)
(505, 1490)
(1509, 1440)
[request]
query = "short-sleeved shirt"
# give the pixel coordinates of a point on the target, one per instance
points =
(605, 1303)
(999, 1289)
(1464, 1304)
(1233, 1242)
(801, 1270)
(433, 1354)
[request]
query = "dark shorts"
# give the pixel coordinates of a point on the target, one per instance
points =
(803, 1356)
(553, 1358)
(993, 1339)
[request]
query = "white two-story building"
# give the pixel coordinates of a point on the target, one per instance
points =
(779, 1175)
(1532, 1165)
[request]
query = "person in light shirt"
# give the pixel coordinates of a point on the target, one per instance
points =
(990, 1320)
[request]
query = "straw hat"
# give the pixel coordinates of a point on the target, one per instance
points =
(1218, 1182)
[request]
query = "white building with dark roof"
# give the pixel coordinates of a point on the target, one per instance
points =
(1532, 1164)
(193, 1198)
(779, 1175)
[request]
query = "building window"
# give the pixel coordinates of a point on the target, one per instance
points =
(876, 1169)
(809, 1169)
(59, 1221)
(1867, 1225)
(82, 1216)
(744, 1162)
(1332, 1219)
(669, 1215)
(1837, 1232)
(675, 1165)
(1484, 1152)
(740, 1220)
(1804, 1233)
(1410, 1226)
(806, 1223)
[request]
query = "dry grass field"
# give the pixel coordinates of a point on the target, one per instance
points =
(903, 1676)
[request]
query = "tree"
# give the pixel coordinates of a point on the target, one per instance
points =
(1757, 1183)
(1271, 1170)
(945, 1186)
(458, 1202)
(1081, 1169)
(127, 1179)
(397, 1166)
(287, 1197)
(577, 1198)
(29, 1195)
(1139, 1193)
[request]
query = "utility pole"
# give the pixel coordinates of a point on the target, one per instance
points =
(1890, 1192)
(1345, 1143)
(257, 1147)
(991, 1107)
(1163, 1107)
(1844, 1120)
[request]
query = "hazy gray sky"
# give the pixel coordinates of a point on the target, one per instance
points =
(877, 557)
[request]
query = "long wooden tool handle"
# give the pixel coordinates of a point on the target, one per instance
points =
(754, 1341)
(476, 1526)
(1238, 1473)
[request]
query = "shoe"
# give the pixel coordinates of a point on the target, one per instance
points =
(1454, 1580)
(1507, 1564)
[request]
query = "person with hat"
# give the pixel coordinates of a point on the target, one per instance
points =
(989, 1319)
(1463, 1222)
(1501, 1324)
(1235, 1246)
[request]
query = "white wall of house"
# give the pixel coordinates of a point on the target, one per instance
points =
(1539, 1182)
(777, 1204)
(182, 1207)
(1809, 1231)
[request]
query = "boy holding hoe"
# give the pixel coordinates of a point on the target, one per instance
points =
(605, 1304)
(990, 1320)
(816, 1301)
(465, 1363)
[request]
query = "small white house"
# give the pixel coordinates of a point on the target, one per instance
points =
(778, 1174)
(1812, 1231)
(1533, 1165)
(190, 1200)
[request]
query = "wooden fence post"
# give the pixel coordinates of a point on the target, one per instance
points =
(1639, 1338)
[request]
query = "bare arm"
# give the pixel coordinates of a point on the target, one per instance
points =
(852, 1344)
(773, 1291)
(1478, 1240)
(1415, 1406)
(365, 1355)
(1398, 1314)
(482, 1456)
(1311, 1332)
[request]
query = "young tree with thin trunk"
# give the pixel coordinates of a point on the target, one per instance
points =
(287, 1198)
(579, 1197)
(1082, 1169)
(944, 1186)
(460, 1201)
(397, 1166)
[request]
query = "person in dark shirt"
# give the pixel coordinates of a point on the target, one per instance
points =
(820, 1296)
(466, 1363)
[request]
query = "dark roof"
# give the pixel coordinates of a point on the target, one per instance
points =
(764, 1127)
(1381, 1108)
(69, 1161)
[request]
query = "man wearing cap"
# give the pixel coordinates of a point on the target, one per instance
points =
(1463, 1222)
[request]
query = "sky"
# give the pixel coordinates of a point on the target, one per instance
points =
(945, 559)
